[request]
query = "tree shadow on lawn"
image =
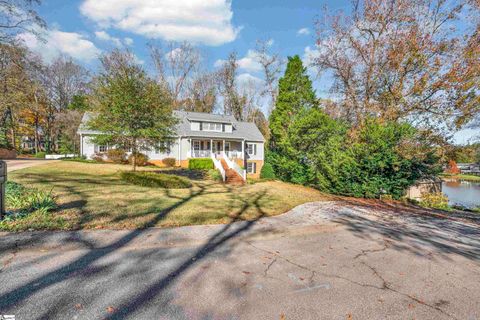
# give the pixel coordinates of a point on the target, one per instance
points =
(196, 175)
(82, 269)
(412, 228)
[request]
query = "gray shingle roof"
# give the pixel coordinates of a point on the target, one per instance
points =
(241, 130)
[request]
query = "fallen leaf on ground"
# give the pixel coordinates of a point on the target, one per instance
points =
(110, 309)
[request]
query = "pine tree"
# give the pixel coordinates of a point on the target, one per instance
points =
(295, 94)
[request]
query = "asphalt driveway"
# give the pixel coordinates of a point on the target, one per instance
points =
(17, 164)
(325, 260)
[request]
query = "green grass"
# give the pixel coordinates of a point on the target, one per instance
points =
(153, 179)
(95, 196)
(466, 177)
(27, 206)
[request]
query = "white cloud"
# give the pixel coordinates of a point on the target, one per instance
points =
(247, 79)
(102, 35)
(174, 53)
(303, 32)
(58, 42)
(128, 41)
(309, 56)
(207, 22)
(247, 63)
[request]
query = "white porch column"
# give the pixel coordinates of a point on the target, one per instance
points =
(81, 145)
(243, 149)
(191, 148)
(211, 146)
(223, 141)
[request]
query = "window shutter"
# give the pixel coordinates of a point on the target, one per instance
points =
(223, 127)
(254, 149)
(201, 126)
(254, 167)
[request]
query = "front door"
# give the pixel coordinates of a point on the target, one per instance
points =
(217, 146)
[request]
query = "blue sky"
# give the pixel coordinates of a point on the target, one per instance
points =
(277, 20)
(84, 29)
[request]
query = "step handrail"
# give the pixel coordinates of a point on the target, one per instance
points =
(218, 166)
(233, 165)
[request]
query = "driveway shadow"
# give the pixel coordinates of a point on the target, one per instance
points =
(83, 267)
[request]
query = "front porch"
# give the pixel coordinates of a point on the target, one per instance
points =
(205, 148)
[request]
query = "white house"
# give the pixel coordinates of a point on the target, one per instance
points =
(200, 135)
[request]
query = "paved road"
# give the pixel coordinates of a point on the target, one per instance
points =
(17, 164)
(319, 261)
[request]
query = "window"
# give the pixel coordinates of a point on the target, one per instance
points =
(102, 148)
(196, 145)
(251, 148)
(212, 126)
(165, 146)
(251, 167)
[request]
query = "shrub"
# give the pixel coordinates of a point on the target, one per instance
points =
(200, 164)
(98, 157)
(169, 162)
(23, 201)
(215, 175)
(152, 179)
(436, 200)
(117, 155)
(267, 171)
(141, 159)
(367, 160)
(40, 155)
(82, 159)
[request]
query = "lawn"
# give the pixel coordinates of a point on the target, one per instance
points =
(466, 177)
(94, 196)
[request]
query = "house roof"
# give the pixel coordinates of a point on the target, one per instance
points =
(241, 130)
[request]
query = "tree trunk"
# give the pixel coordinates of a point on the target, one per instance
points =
(134, 155)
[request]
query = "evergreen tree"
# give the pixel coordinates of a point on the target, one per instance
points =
(295, 94)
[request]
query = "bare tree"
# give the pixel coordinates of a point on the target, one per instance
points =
(271, 66)
(19, 16)
(233, 102)
(175, 67)
(201, 93)
(65, 79)
(397, 59)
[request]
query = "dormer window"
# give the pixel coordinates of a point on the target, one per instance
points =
(211, 126)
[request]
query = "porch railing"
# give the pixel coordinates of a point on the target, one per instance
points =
(200, 154)
(218, 166)
(233, 165)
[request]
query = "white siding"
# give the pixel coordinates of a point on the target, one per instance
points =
(88, 148)
(195, 126)
(228, 128)
(259, 154)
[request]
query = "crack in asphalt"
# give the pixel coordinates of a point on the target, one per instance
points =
(265, 272)
(386, 244)
(385, 284)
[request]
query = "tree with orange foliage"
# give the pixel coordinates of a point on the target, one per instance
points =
(452, 167)
(403, 60)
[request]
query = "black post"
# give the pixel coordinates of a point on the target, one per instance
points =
(3, 182)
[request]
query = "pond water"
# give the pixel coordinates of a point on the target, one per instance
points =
(463, 193)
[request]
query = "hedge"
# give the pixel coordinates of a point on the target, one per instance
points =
(200, 164)
(152, 179)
